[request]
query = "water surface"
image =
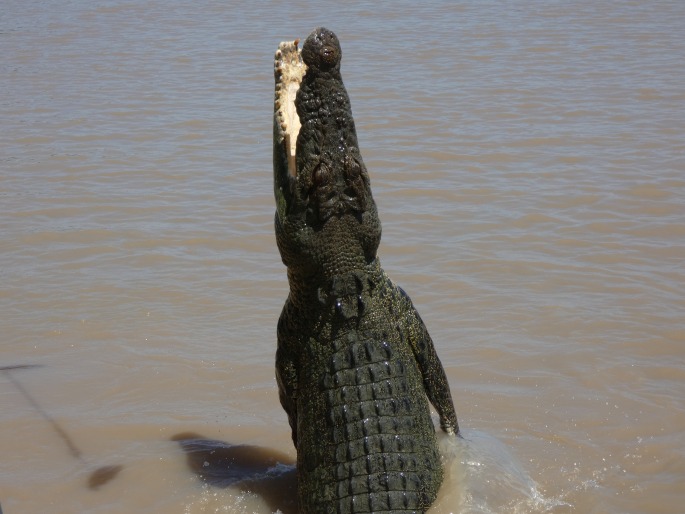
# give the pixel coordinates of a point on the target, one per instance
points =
(528, 163)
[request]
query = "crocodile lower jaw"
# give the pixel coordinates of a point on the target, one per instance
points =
(288, 70)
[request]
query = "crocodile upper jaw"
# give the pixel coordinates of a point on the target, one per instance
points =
(326, 218)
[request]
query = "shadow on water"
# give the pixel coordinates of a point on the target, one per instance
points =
(255, 469)
(97, 478)
(482, 475)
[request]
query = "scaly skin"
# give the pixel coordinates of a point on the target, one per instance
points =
(355, 365)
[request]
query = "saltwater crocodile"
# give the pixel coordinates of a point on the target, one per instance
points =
(355, 365)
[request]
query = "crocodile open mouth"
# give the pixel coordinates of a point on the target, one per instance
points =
(288, 70)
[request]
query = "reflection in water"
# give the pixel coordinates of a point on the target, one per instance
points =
(262, 471)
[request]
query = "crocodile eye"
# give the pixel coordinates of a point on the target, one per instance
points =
(352, 168)
(321, 176)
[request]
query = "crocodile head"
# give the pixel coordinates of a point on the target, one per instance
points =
(326, 218)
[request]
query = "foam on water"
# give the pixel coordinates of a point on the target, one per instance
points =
(484, 477)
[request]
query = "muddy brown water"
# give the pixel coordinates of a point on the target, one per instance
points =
(528, 161)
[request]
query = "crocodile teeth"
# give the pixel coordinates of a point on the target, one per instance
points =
(288, 70)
